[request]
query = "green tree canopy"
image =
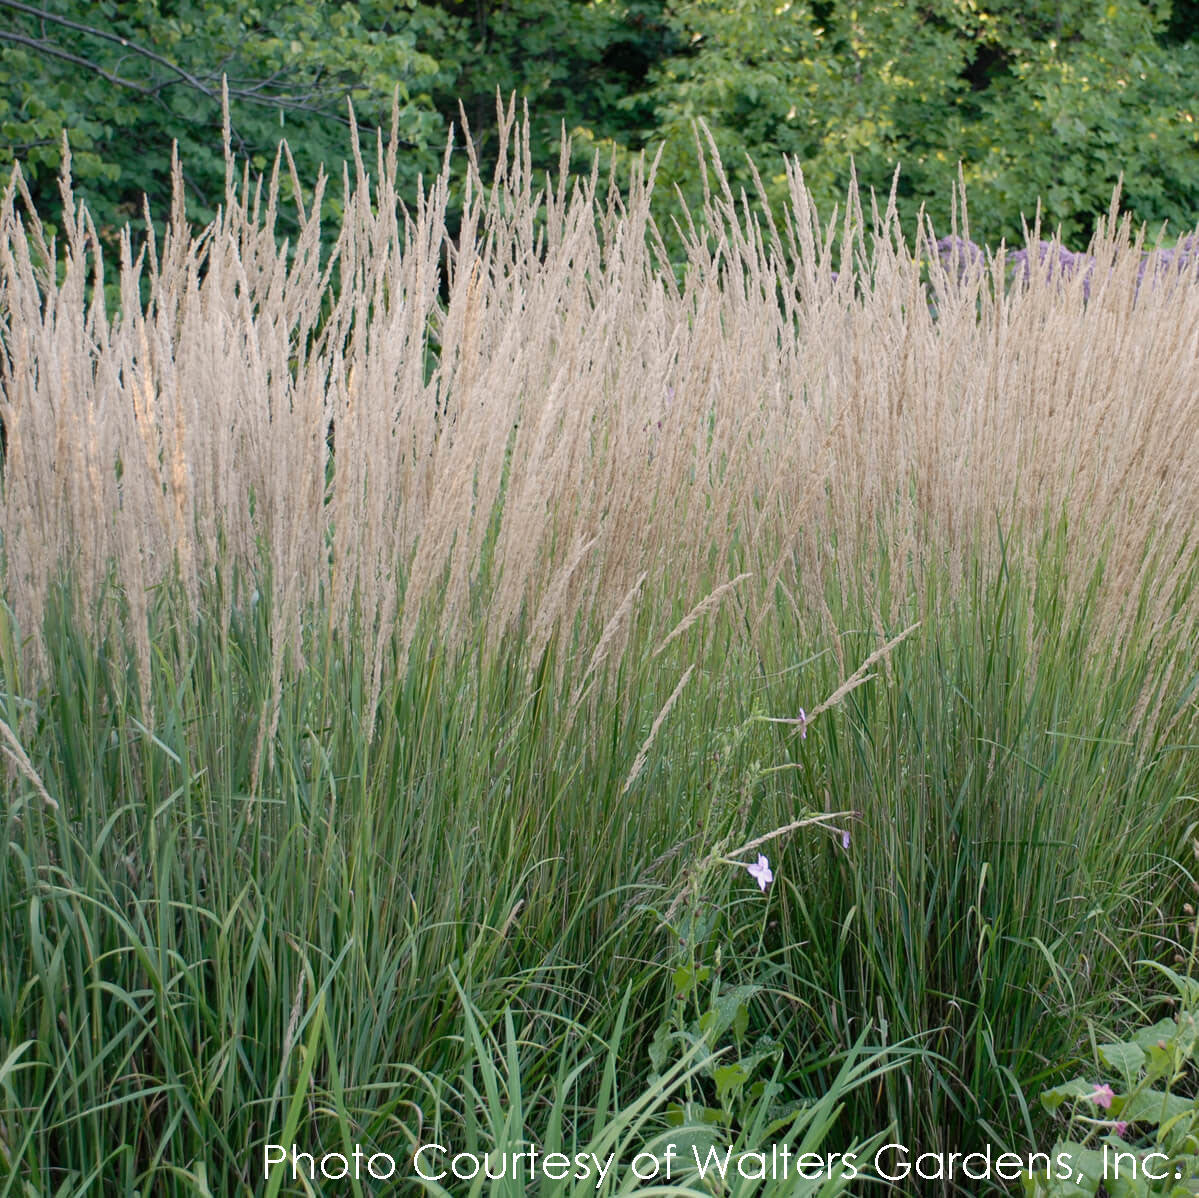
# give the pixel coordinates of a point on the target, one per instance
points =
(1049, 100)
(1052, 99)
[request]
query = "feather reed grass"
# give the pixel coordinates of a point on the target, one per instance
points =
(761, 416)
(393, 637)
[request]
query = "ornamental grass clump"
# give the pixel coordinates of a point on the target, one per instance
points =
(517, 443)
(391, 636)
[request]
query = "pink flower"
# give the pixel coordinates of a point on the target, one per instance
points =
(803, 724)
(845, 839)
(760, 872)
(1120, 1128)
(1102, 1096)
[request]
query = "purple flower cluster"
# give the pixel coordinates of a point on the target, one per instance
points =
(1183, 257)
(959, 256)
(1056, 262)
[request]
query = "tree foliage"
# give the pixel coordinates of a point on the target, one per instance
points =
(126, 78)
(1050, 99)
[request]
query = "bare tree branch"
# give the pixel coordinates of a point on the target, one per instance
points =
(185, 76)
(92, 31)
(309, 101)
(54, 52)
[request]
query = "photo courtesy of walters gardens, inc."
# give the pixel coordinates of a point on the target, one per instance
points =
(599, 597)
(718, 1167)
